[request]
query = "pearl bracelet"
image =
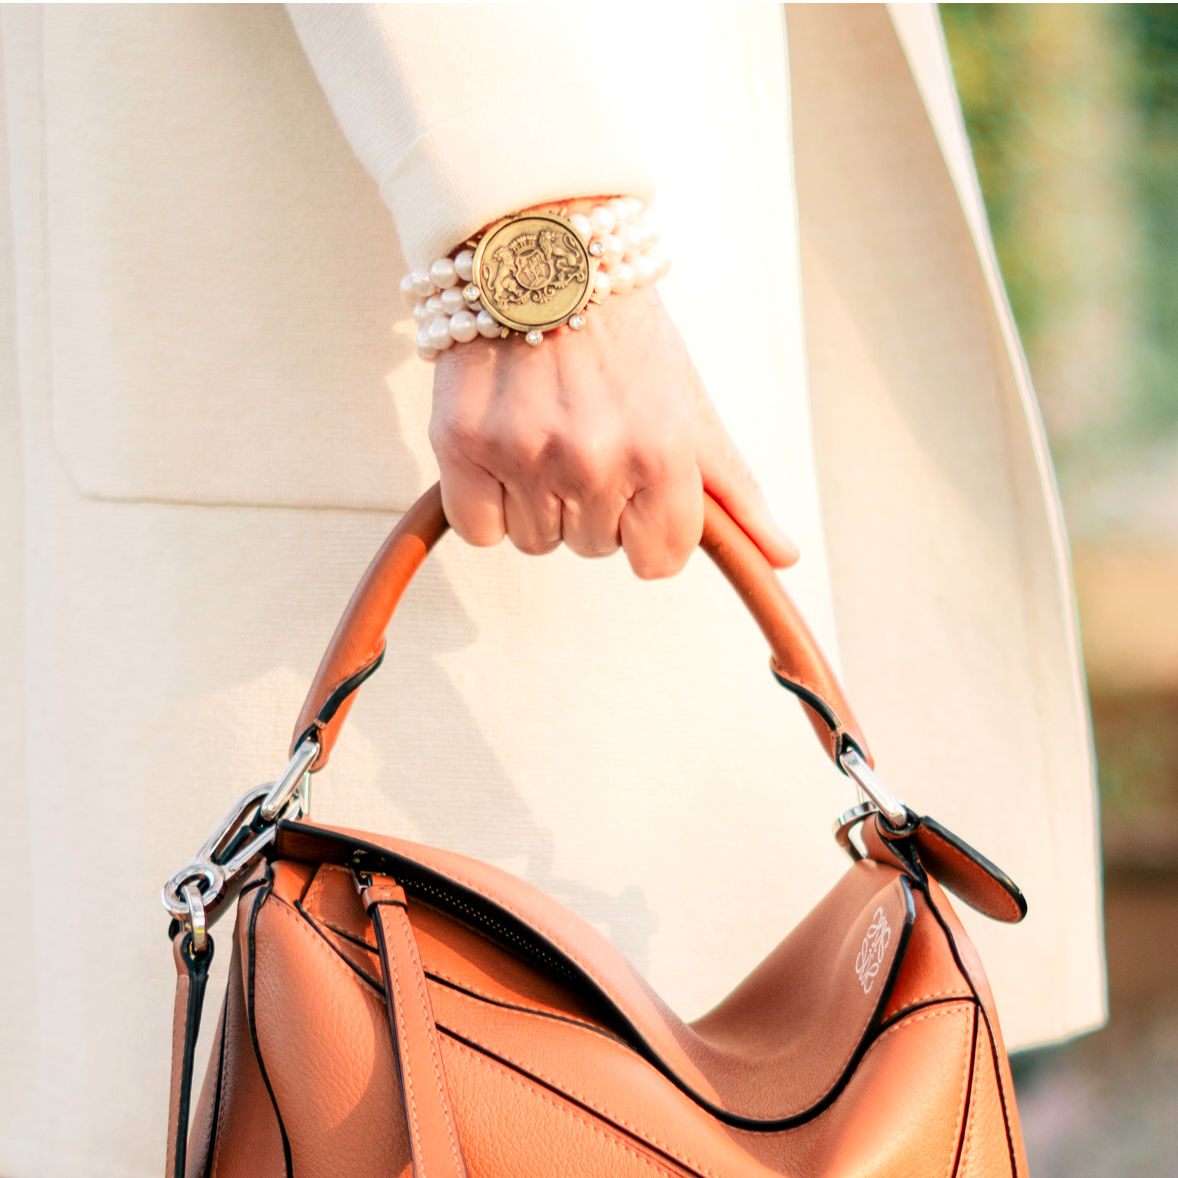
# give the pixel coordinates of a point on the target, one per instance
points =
(617, 236)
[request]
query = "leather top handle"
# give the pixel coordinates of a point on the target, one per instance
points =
(357, 645)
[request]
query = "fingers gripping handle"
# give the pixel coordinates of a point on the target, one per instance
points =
(357, 645)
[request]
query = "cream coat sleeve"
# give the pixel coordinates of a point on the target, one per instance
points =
(464, 112)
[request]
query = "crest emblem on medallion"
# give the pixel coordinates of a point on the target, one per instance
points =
(533, 271)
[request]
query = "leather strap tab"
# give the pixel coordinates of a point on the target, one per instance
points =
(358, 642)
(433, 1137)
(192, 976)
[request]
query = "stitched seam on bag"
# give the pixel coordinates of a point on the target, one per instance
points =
(346, 934)
(587, 1119)
(521, 1006)
(325, 950)
(218, 1135)
(444, 979)
(430, 1028)
(438, 973)
(591, 1103)
(965, 996)
(460, 879)
(940, 1012)
(506, 907)
(364, 663)
(966, 1099)
(990, 887)
(406, 1074)
(1000, 1084)
(971, 1129)
(839, 1074)
(319, 882)
(452, 906)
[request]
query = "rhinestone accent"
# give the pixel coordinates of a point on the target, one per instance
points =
(577, 322)
(596, 249)
(470, 292)
(534, 336)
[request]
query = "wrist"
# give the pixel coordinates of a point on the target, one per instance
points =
(534, 272)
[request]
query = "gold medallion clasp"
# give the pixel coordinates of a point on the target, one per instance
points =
(533, 271)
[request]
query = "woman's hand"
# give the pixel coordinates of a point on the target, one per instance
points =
(599, 438)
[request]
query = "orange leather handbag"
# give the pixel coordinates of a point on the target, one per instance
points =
(395, 1009)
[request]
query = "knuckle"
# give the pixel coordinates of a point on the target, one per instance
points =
(455, 435)
(521, 448)
(480, 536)
(659, 457)
(653, 569)
(591, 456)
(592, 549)
(658, 565)
(533, 546)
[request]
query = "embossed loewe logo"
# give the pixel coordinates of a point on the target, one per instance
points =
(871, 952)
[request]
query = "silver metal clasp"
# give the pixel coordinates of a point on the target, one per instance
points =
(864, 776)
(882, 802)
(295, 778)
(197, 892)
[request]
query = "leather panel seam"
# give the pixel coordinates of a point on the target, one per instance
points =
(259, 901)
(628, 1140)
(955, 1167)
(441, 979)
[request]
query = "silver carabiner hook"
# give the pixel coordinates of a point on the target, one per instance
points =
(195, 893)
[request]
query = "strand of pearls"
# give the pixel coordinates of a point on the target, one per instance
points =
(445, 299)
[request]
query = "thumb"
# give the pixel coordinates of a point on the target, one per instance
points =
(728, 479)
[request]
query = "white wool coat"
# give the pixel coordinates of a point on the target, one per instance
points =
(211, 413)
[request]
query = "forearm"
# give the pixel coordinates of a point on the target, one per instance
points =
(440, 128)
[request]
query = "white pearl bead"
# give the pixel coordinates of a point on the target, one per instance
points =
(488, 325)
(423, 337)
(602, 220)
(620, 209)
(611, 249)
(650, 234)
(601, 283)
(621, 278)
(661, 265)
(443, 274)
(421, 314)
(427, 353)
(408, 296)
(439, 333)
(463, 327)
(452, 300)
(634, 208)
(644, 271)
(581, 224)
(464, 265)
(434, 305)
(631, 241)
(420, 282)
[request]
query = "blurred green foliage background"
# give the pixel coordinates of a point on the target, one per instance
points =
(1073, 115)
(1072, 111)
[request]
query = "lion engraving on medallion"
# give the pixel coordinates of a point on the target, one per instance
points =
(533, 267)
